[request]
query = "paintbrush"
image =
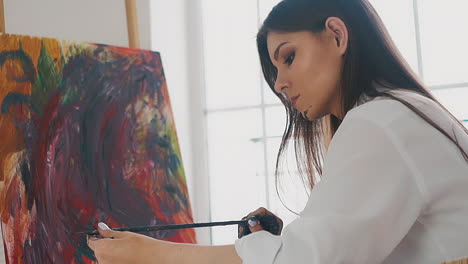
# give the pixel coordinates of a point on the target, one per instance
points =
(268, 223)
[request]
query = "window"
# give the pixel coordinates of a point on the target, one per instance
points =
(245, 120)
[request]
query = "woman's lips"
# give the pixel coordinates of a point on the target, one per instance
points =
(294, 100)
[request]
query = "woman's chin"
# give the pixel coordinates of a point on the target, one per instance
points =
(308, 113)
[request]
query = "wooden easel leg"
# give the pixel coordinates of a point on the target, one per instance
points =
(132, 24)
(2, 17)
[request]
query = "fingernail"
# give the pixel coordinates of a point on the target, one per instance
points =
(103, 226)
(252, 222)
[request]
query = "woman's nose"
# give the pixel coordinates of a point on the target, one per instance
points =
(281, 86)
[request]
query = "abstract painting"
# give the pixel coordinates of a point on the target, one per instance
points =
(87, 135)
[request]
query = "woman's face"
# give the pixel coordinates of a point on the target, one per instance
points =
(309, 69)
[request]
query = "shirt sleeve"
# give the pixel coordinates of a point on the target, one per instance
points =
(366, 202)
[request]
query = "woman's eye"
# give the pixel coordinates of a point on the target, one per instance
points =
(290, 59)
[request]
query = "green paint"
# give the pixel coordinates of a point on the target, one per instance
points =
(48, 78)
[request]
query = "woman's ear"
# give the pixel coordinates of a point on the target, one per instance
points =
(337, 28)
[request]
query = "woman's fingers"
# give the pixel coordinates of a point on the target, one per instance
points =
(280, 223)
(262, 211)
(259, 211)
(125, 248)
(113, 245)
(106, 250)
(90, 241)
(95, 244)
(106, 232)
(254, 225)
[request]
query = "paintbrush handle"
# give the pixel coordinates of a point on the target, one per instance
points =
(167, 227)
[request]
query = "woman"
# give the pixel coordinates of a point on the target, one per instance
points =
(393, 161)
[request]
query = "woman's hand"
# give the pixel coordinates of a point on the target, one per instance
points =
(130, 248)
(255, 226)
(124, 247)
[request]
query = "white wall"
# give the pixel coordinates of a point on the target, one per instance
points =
(177, 34)
(166, 23)
(99, 21)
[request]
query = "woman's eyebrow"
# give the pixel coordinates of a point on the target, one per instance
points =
(278, 49)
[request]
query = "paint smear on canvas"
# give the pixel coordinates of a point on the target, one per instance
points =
(87, 135)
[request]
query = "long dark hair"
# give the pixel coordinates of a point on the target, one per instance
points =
(371, 58)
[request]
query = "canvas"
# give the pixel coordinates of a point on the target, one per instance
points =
(87, 135)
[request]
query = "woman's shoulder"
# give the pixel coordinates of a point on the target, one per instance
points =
(385, 110)
(401, 123)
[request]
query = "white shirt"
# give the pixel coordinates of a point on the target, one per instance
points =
(394, 190)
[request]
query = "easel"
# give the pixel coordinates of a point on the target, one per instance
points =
(132, 22)
(2, 18)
